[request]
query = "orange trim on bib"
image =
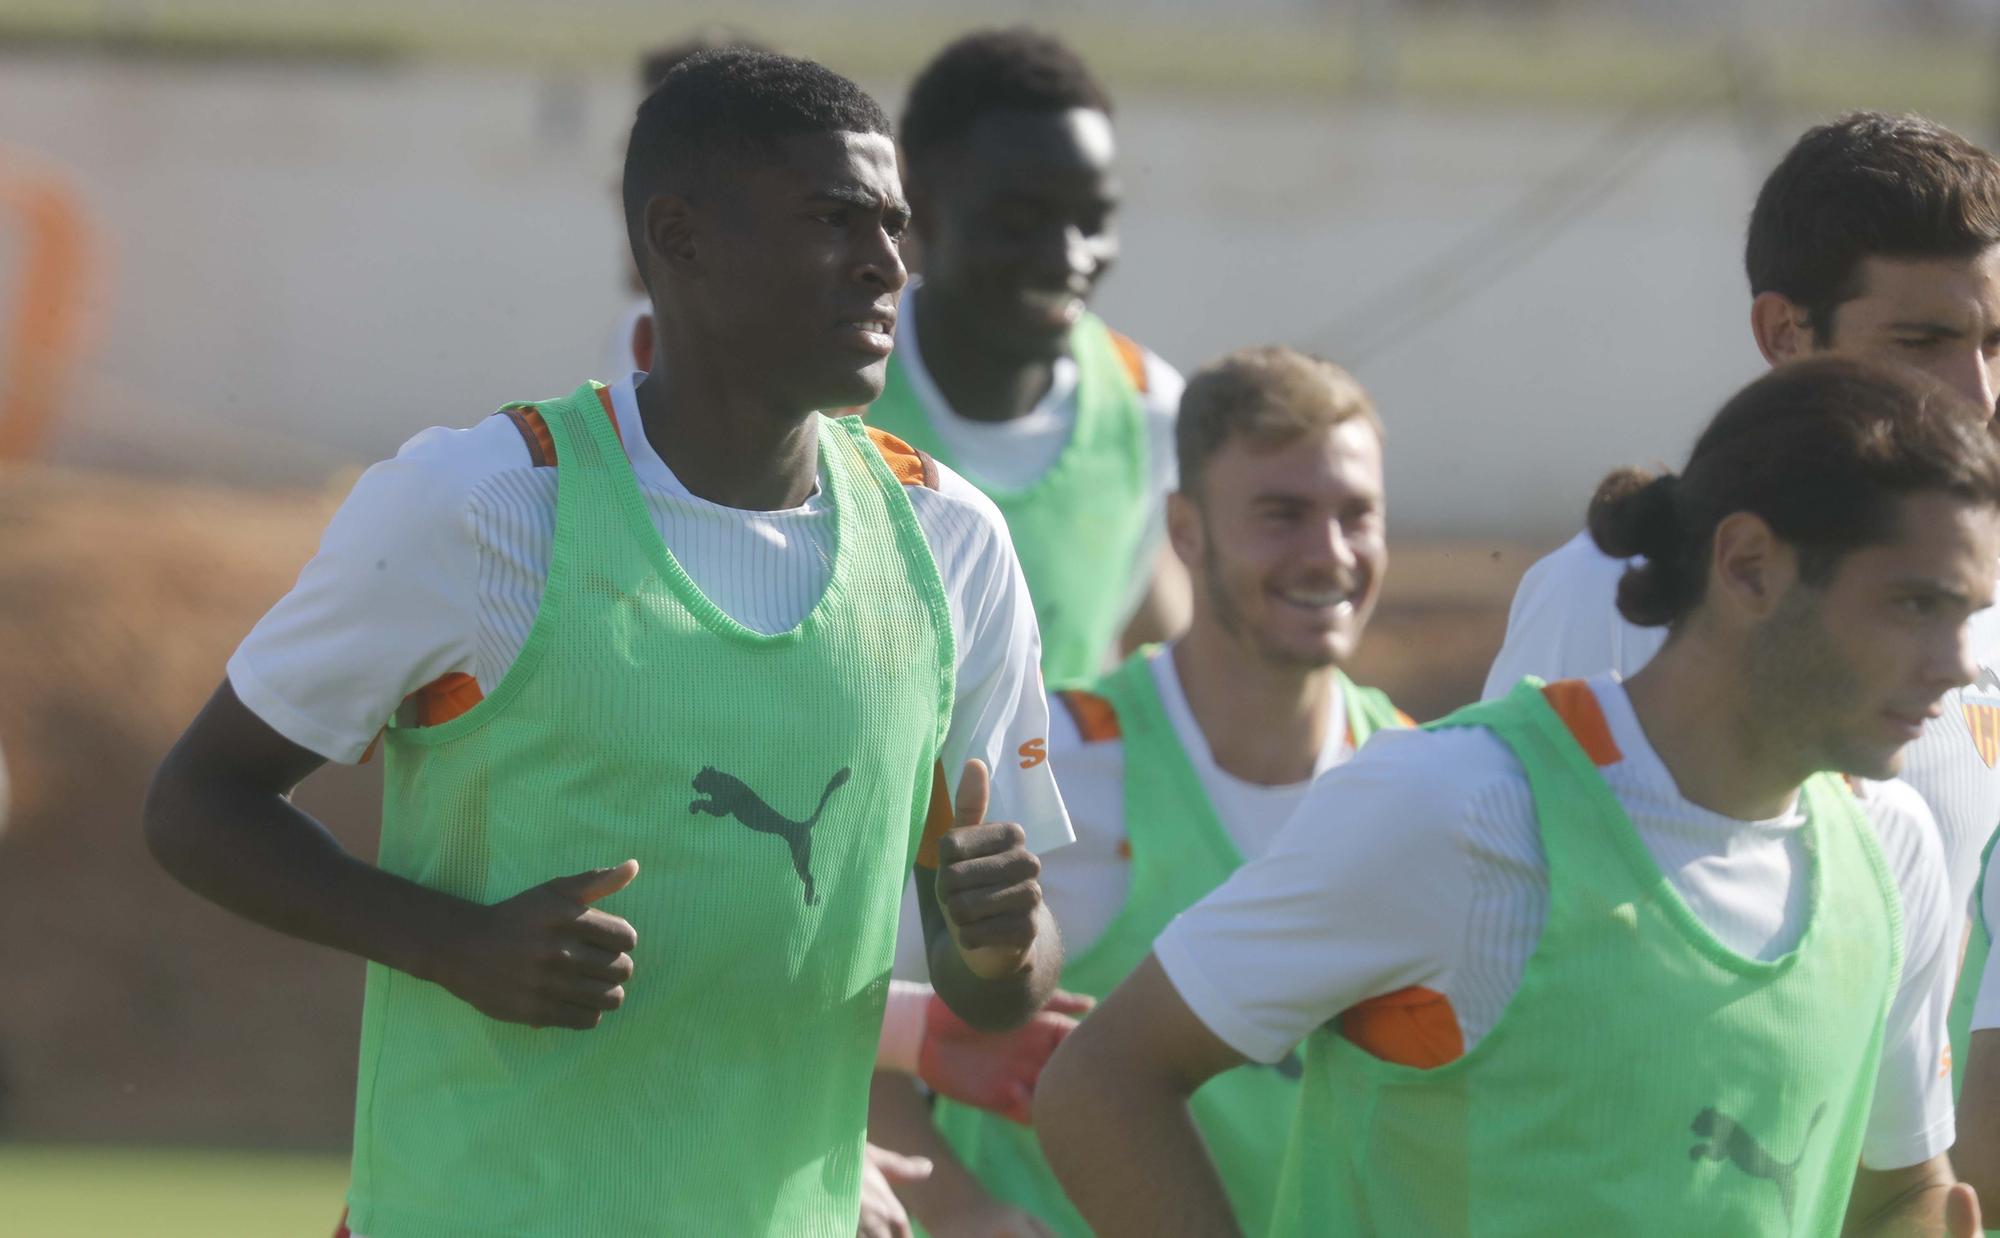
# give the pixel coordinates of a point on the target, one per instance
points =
(910, 466)
(1577, 706)
(1133, 358)
(1410, 1027)
(1095, 720)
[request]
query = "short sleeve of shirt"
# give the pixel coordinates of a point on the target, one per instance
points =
(1361, 893)
(1564, 622)
(385, 606)
(999, 713)
(1911, 1118)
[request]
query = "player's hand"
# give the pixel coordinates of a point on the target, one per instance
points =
(986, 884)
(882, 1214)
(1961, 1213)
(988, 1218)
(545, 957)
(995, 1071)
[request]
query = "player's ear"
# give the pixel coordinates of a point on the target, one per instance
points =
(670, 231)
(1780, 327)
(1750, 567)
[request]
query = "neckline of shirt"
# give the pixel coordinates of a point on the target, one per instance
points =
(1640, 769)
(1167, 681)
(652, 472)
(1043, 417)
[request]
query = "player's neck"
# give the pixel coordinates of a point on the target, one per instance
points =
(977, 382)
(730, 447)
(1265, 723)
(1692, 702)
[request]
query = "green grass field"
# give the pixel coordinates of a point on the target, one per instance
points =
(168, 1193)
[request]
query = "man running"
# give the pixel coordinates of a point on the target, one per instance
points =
(1001, 372)
(690, 627)
(1184, 761)
(1613, 957)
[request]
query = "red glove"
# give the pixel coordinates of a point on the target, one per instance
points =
(995, 1071)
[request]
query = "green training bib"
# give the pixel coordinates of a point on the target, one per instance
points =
(1644, 1079)
(1180, 852)
(1077, 529)
(772, 789)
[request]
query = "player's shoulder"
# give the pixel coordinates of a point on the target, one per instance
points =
(1158, 383)
(437, 472)
(947, 505)
(1905, 827)
(1434, 771)
(1576, 564)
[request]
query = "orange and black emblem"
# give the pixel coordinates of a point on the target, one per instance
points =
(1983, 721)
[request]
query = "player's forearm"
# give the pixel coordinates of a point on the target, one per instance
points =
(1904, 1203)
(998, 1004)
(1088, 1103)
(250, 851)
(899, 1118)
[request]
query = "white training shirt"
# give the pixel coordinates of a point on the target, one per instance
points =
(1012, 455)
(436, 561)
(1086, 883)
(1565, 624)
(1419, 863)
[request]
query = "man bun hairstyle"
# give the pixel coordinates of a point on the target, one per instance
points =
(1268, 395)
(1868, 184)
(1823, 450)
(732, 103)
(988, 71)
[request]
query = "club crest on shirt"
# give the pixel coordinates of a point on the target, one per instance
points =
(1981, 704)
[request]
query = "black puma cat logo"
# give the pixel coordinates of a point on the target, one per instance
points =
(728, 796)
(1728, 1141)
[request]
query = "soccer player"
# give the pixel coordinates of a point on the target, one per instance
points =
(1613, 957)
(1875, 236)
(677, 680)
(1000, 370)
(1185, 760)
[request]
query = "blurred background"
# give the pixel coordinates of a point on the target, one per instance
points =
(246, 248)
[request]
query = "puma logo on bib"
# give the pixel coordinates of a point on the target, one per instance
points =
(728, 796)
(1729, 1141)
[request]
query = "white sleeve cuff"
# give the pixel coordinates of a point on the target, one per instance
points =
(277, 714)
(1210, 1005)
(1903, 1151)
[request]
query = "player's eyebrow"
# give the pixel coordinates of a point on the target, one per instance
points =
(1931, 586)
(865, 199)
(1928, 326)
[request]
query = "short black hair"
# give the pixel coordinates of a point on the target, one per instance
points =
(1864, 185)
(732, 102)
(656, 64)
(994, 70)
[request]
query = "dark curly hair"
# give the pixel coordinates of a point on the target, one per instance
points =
(992, 70)
(732, 102)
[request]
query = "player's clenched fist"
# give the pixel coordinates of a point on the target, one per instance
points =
(987, 884)
(545, 957)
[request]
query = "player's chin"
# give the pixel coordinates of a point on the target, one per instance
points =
(853, 386)
(1874, 761)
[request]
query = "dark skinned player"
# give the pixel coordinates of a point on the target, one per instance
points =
(738, 652)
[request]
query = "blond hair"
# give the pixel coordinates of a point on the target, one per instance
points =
(1268, 395)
